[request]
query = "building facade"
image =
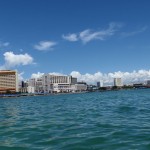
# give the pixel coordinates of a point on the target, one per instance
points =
(39, 85)
(118, 82)
(31, 89)
(78, 87)
(49, 83)
(148, 82)
(8, 81)
(57, 83)
(98, 84)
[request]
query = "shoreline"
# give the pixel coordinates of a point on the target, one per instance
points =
(31, 95)
(52, 94)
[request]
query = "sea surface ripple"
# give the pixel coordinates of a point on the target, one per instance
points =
(115, 120)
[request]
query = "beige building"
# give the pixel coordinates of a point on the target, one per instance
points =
(8, 81)
(39, 85)
(49, 83)
(78, 87)
(117, 82)
(57, 83)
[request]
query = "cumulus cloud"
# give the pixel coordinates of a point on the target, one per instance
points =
(13, 60)
(127, 77)
(39, 74)
(107, 78)
(89, 35)
(45, 45)
(56, 73)
(20, 76)
(128, 34)
(4, 44)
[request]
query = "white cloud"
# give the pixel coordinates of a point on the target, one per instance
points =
(4, 44)
(70, 37)
(128, 34)
(107, 78)
(127, 77)
(20, 76)
(45, 45)
(89, 35)
(13, 60)
(56, 73)
(37, 75)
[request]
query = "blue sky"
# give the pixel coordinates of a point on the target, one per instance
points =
(74, 35)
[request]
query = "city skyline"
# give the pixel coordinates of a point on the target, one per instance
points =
(91, 40)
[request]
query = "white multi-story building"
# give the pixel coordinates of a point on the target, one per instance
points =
(57, 83)
(73, 80)
(49, 83)
(32, 82)
(8, 81)
(117, 82)
(39, 85)
(36, 84)
(31, 89)
(78, 87)
(148, 82)
(100, 84)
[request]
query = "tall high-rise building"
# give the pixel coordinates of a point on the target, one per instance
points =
(32, 82)
(98, 84)
(8, 81)
(148, 82)
(101, 83)
(117, 82)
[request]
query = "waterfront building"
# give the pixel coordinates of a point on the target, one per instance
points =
(31, 85)
(62, 87)
(78, 87)
(49, 83)
(91, 88)
(32, 82)
(57, 83)
(31, 89)
(101, 83)
(139, 85)
(23, 87)
(8, 81)
(64, 83)
(98, 84)
(73, 80)
(39, 85)
(23, 90)
(118, 82)
(148, 82)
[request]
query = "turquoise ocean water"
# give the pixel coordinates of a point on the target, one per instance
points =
(116, 120)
